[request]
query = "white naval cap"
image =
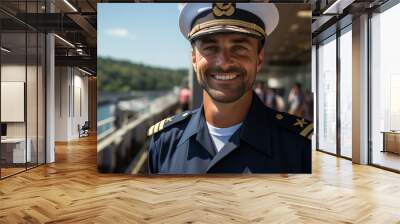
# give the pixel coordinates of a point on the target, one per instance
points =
(199, 19)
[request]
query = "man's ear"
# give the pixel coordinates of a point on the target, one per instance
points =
(261, 58)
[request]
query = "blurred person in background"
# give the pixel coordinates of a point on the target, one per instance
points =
(269, 97)
(295, 100)
(308, 105)
(279, 102)
(274, 100)
(184, 98)
(260, 90)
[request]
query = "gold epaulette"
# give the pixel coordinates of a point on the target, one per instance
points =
(295, 124)
(159, 126)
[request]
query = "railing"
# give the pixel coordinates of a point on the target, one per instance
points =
(123, 149)
(108, 121)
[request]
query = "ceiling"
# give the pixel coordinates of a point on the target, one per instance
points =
(290, 43)
(74, 22)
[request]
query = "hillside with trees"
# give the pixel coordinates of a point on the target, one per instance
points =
(118, 76)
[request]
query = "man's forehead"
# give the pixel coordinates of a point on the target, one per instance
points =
(233, 37)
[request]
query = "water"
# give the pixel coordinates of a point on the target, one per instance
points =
(103, 112)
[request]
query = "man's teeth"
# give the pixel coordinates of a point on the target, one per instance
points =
(224, 76)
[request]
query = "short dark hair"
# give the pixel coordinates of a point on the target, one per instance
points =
(261, 43)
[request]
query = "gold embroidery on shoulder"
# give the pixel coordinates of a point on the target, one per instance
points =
(300, 122)
(279, 116)
(158, 126)
(150, 132)
(307, 130)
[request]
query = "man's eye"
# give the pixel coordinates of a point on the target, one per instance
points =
(240, 49)
(210, 49)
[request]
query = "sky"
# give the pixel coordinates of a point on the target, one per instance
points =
(144, 33)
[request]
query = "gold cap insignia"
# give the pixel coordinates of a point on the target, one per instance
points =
(220, 9)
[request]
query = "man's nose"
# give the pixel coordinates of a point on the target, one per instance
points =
(224, 59)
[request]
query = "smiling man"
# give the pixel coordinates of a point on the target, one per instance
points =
(232, 132)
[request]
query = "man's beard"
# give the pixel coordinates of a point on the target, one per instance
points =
(225, 93)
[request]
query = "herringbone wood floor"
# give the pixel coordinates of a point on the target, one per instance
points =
(70, 191)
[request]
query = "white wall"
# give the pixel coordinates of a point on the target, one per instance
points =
(314, 91)
(71, 94)
(12, 73)
(33, 125)
(81, 100)
(61, 103)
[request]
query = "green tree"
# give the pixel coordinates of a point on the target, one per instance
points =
(117, 76)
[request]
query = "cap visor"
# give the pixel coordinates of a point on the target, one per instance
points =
(224, 29)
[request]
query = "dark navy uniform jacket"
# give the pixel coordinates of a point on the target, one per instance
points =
(267, 142)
